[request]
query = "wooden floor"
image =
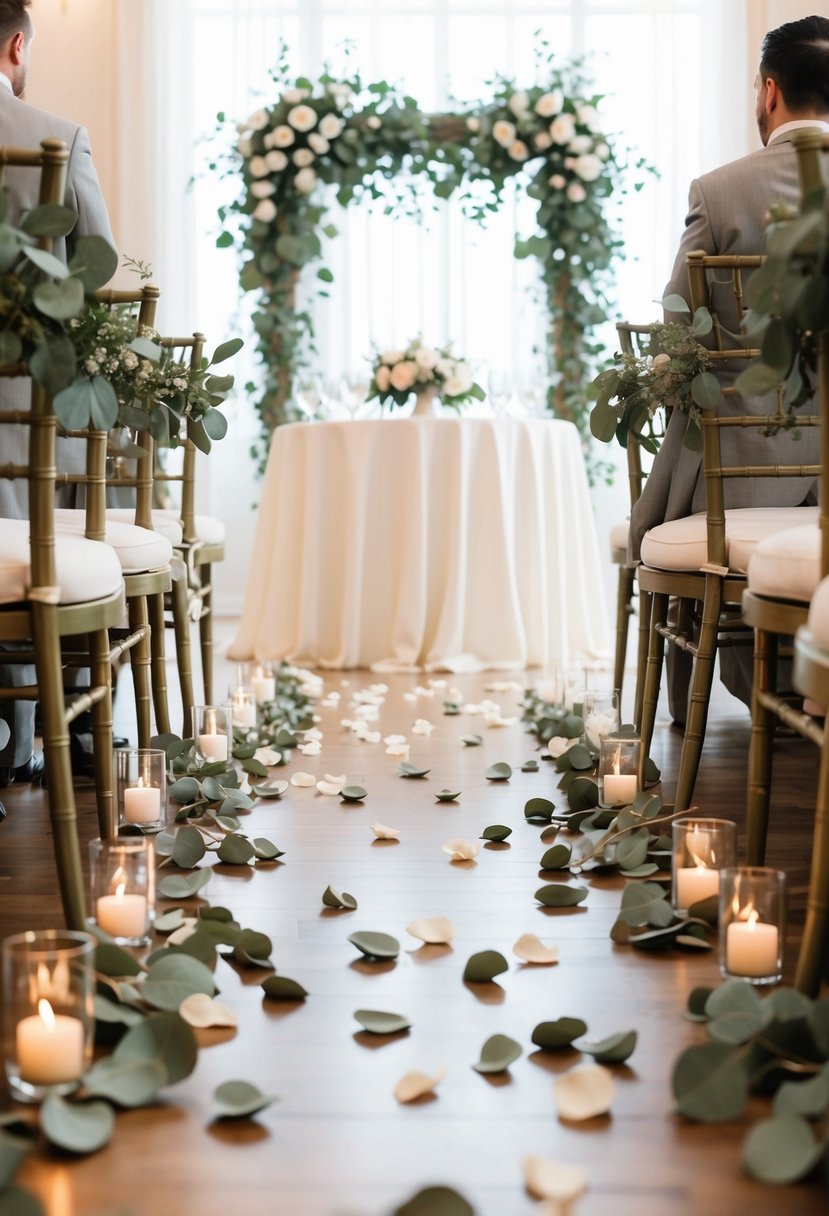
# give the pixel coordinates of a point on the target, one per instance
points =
(337, 1143)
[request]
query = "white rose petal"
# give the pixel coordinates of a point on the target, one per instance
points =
(265, 211)
(282, 136)
(201, 1010)
(426, 357)
(378, 690)
(267, 756)
(518, 150)
(319, 144)
(473, 124)
(558, 745)
(563, 128)
(557, 181)
(303, 780)
(423, 727)
(549, 104)
(310, 749)
(331, 126)
(434, 930)
(305, 181)
(185, 930)
(262, 188)
(257, 120)
(395, 739)
(371, 736)
(461, 850)
(384, 833)
(302, 118)
(503, 686)
(445, 368)
(519, 104)
(416, 1084)
(587, 116)
(244, 146)
(331, 788)
(292, 97)
(530, 949)
(409, 696)
(581, 143)
(584, 1092)
(303, 157)
(576, 192)
(258, 166)
(588, 167)
(504, 132)
(276, 161)
(399, 749)
(546, 1179)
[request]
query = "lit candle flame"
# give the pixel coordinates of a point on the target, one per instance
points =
(44, 1009)
(118, 883)
(617, 762)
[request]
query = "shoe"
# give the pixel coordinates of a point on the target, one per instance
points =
(82, 755)
(33, 768)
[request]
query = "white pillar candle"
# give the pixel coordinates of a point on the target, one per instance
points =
(213, 746)
(264, 688)
(619, 788)
(751, 949)
(142, 803)
(50, 1047)
(694, 883)
(122, 915)
(244, 712)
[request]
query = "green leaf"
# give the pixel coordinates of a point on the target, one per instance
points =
(411, 770)
(702, 323)
(529, 766)
(126, 1082)
(239, 1100)
(496, 832)
(235, 850)
(338, 899)
(186, 789)
(376, 945)
(14, 1201)
(639, 901)
(88, 401)
(50, 219)
(174, 977)
(266, 850)
(498, 772)
(559, 895)
(189, 848)
(734, 996)
(52, 364)
(377, 1022)
(539, 810)
(556, 858)
(94, 262)
(115, 1014)
(809, 1098)
(47, 262)
(11, 349)
(353, 793)
(270, 789)
(113, 960)
(582, 794)
(579, 757)
(603, 423)
(710, 1083)
(436, 1201)
(182, 886)
(472, 740)
(497, 1053)
(447, 795)
(76, 1127)
(484, 966)
(12, 1151)
(674, 303)
(613, 1050)
(253, 949)
(551, 1036)
(215, 423)
(706, 391)
(696, 1004)
(60, 301)
(781, 1150)
(735, 1027)
(280, 988)
(757, 378)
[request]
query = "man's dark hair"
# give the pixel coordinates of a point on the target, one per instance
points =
(796, 56)
(14, 19)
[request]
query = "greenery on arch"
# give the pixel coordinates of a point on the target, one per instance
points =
(342, 139)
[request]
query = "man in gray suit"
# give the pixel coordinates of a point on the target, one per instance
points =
(726, 215)
(21, 125)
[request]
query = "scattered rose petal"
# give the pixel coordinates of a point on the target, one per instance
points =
(434, 930)
(369, 736)
(313, 735)
(348, 724)
(584, 1092)
(503, 686)
(416, 1084)
(187, 929)
(422, 727)
(244, 785)
(438, 685)
(201, 1010)
(311, 749)
(390, 740)
(493, 719)
(420, 691)
(558, 745)
(547, 1179)
(339, 779)
(379, 690)
(399, 749)
(368, 713)
(530, 949)
(329, 787)
(267, 756)
(303, 779)
(409, 696)
(461, 850)
(383, 833)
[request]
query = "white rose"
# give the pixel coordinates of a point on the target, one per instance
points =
(403, 375)
(341, 94)
(549, 103)
(305, 181)
(576, 192)
(661, 363)
(262, 189)
(265, 211)
(282, 137)
(504, 132)
(563, 128)
(244, 146)
(557, 181)
(445, 368)
(331, 126)
(473, 124)
(518, 150)
(390, 357)
(460, 383)
(581, 143)
(588, 167)
(602, 151)
(258, 166)
(303, 157)
(318, 143)
(373, 122)
(302, 118)
(257, 120)
(426, 357)
(569, 162)
(276, 161)
(291, 97)
(382, 378)
(542, 141)
(587, 116)
(519, 103)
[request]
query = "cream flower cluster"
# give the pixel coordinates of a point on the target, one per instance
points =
(398, 372)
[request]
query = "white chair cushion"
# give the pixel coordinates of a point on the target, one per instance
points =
(86, 569)
(137, 549)
(819, 615)
(619, 536)
(167, 527)
(787, 565)
(209, 529)
(682, 545)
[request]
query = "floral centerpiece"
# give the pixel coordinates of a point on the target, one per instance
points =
(426, 371)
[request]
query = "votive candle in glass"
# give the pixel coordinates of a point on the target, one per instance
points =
(701, 849)
(752, 923)
(618, 771)
(122, 878)
(141, 787)
(600, 713)
(212, 730)
(243, 709)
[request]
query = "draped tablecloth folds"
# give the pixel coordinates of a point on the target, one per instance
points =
(448, 544)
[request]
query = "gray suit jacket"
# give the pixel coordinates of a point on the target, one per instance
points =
(24, 126)
(726, 214)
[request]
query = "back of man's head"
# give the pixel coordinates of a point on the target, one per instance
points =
(796, 57)
(14, 19)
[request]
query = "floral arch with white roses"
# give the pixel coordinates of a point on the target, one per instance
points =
(367, 140)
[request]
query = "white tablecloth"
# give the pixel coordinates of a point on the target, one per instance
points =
(443, 543)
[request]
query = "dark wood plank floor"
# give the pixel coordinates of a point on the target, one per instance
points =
(337, 1142)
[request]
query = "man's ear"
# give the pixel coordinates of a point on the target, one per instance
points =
(17, 44)
(771, 94)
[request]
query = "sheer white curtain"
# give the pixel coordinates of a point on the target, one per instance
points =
(677, 75)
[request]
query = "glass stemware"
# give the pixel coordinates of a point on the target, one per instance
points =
(308, 396)
(499, 387)
(353, 391)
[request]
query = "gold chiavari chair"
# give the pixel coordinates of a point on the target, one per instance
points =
(703, 558)
(53, 587)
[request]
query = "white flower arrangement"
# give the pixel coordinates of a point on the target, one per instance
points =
(395, 374)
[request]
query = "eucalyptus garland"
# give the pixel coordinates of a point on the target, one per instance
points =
(344, 140)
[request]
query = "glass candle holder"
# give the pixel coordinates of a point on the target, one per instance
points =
(618, 771)
(600, 712)
(48, 1018)
(212, 732)
(702, 848)
(122, 882)
(752, 923)
(243, 708)
(141, 787)
(260, 679)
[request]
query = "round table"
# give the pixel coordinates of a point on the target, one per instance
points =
(449, 544)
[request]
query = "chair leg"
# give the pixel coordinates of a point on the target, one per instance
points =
(811, 961)
(140, 663)
(158, 662)
(642, 655)
(58, 764)
(701, 682)
(206, 633)
(102, 735)
(181, 625)
(760, 751)
(653, 680)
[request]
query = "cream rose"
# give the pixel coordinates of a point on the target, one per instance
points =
(265, 211)
(558, 181)
(518, 150)
(459, 384)
(403, 375)
(549, 103)
(291, 97)
(319, 144)
(303, 157)
(602, 151)
(426, 357)
(331, 126)
(283, 137)
(581, 143)
(519, 104)
(542, 141)
(258, 166)
(302, 118)
(390, 357)
(587, 116)
(445, 368)
(374, 122)
(276, 161)
(661, 363)
(382, 378)
(504, 132)
(305, 181)
(244, 146)
(563, 128)
(262, 189)
(257, 120)
(473, 124)
(576, 192)
(588, 167)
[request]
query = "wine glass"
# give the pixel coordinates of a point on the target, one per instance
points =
(353, 391)
(499, 388)
(532, 395)
(308, 396)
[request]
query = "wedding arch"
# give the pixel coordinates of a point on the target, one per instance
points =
(343, 139)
